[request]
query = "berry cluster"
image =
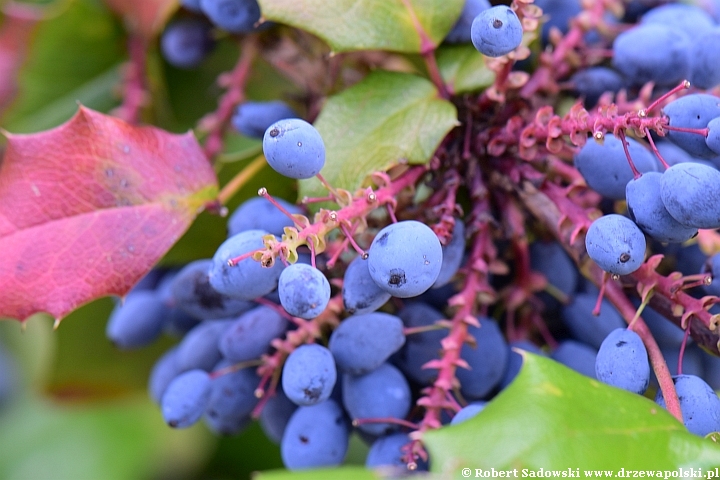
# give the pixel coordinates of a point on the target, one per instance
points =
(412, 291)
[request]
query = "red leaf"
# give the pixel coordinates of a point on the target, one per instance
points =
(146, 17)
(87, 208)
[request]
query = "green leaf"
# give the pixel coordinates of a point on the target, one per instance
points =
(73, 58)
(348, 25)
(554, 418)
(371, 126)
(346, 473)
(463, 68)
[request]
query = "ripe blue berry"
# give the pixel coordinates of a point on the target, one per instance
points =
(496, 31)
(294, 148)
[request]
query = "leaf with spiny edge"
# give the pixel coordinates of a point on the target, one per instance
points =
(551, 417)
(87, 208)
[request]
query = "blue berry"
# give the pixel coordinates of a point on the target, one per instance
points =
(616, 244)
(364, 342)
(316, 436)
(186, 43)
(648, 211)
(576, 355)
(689, 192)
(309, 375)
(193, 294)
(496, 31)
(138, 321)
(294, 148)
(667, 334)
(234, 16)
(551, 260)
(705, 63)
(252, 119)
(587, 327)
(622, 361)
(249, 336)
(652, 53)
(199, 348)
(387, 452)
(699, 404)
(692, 111)
(232, 395)
(304, 291)
(382, 393)
(162, 373)
(689, 19)
(248, 279)
(558, 14)
(360, 293)
(420, 348)
(186, 398)
(605, 167)
(405, 258)
(673, 154)
(592, 82)
(487, 360)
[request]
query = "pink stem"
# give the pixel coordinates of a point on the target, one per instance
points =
(216, 123)
(134, 95)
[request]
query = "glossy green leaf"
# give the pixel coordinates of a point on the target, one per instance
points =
(346, 25)
(463, 68)
(74, 57)
(345, 473)
(554, 418)
(386, 118)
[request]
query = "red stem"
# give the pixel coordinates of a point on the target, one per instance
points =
(134, 93)
(636, 173)
(396, 421)
(216, 122)
(444, 90)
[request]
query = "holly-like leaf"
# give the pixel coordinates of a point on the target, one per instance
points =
(346, 25)
(87, 208)
(554, 418)
(144, 17)
(373, 125)
(463, 68)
